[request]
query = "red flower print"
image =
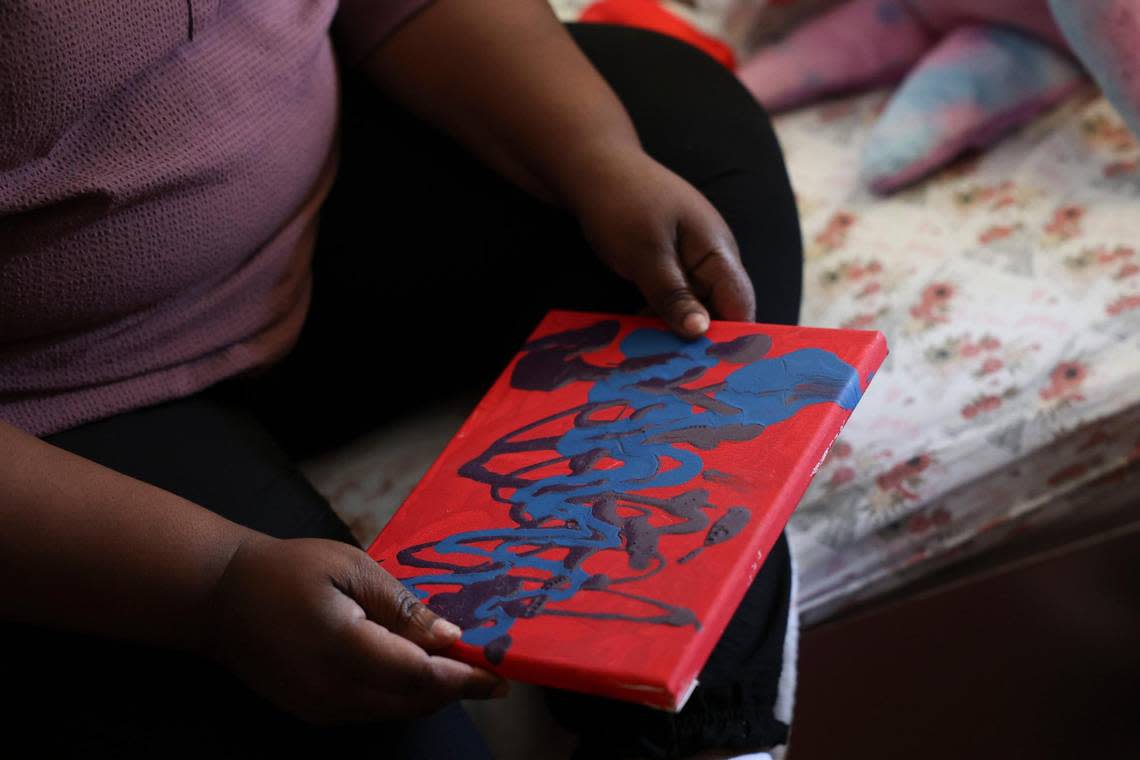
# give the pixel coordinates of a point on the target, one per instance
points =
(1095, 439)
(1104, 256)
(858, 271)
(1066, 474)
(841, 449)
(990, 403)
(998, 196)
(990, 343)
(1066, 222)
(1004, 195)
(841, 476)
(917, 523)
(1065, 382)
(921, 522)
(834, 234)
(1120, 168)
(997, 232)
(898, 478)
(938, 292)
(1123, 304)
(981, 405)
(991, 365)
(935, 303)
(859, 321)
(1102, 131)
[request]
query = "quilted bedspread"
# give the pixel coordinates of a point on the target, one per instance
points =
(1009, 291)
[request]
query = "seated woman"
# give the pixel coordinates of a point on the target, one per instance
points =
(175, 331)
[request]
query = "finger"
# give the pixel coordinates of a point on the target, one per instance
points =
(389, 663)
(712, 265)
(668, 293)
(389, 603)
(412, 704)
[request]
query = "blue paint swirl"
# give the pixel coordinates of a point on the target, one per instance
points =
(639, 430)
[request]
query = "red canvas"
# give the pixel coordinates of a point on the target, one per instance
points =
(595, 522)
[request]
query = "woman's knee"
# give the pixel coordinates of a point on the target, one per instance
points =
(690, 112)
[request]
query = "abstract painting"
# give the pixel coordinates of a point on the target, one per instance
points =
(595, 522)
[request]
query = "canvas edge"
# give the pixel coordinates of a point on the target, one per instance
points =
(790, 494)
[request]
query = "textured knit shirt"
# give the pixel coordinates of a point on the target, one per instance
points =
(161, 169)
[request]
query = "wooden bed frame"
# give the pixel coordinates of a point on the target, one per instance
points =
(1031, 651)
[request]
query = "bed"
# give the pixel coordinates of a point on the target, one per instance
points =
(1009, 289)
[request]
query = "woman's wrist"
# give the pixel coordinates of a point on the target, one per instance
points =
(94, 550)
(583, 172)
(211, 618)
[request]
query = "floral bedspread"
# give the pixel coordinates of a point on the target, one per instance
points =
(1009, 291)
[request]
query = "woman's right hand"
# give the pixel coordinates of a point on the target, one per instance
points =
(318, 628)
(315, 626)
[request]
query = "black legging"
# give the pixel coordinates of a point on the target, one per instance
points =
(429, 272)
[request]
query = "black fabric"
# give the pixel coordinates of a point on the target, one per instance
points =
(429, 272)
(732, 706)
(81, 695)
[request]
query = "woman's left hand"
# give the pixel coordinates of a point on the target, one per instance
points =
(655, 229)
(538, 112)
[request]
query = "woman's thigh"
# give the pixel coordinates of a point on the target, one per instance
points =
(215, 454)
(79, 694)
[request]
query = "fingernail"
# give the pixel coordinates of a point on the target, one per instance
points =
(446, 629)
(695, 323)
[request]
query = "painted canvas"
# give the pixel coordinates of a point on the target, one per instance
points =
(595, 522)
